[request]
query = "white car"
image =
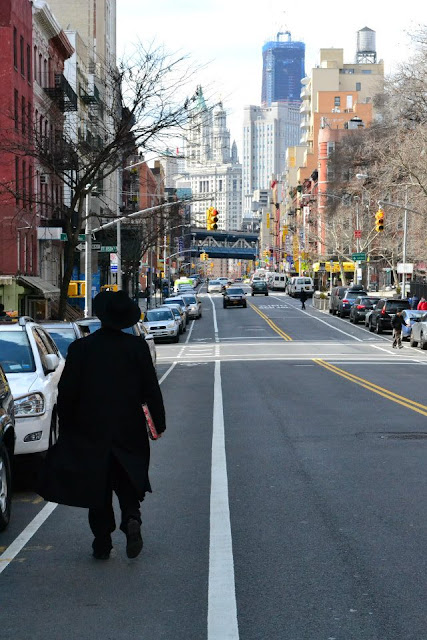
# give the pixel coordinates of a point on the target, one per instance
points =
(150, 342)
(161, 324)
(215, 286)
(33, 365)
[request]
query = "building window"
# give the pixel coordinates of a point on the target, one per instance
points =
(29, 121)
(15, 108)
(24, 183)
(358, 86)
(15, 48)
(21, 51)
(17, 179)
(337, 101)
(219, 185)
(28, 63)
(35, 63)
(30, 188)
(23, 117)
(40, 69)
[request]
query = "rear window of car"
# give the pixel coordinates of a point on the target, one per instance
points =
(394, 305)
(352, 295)
(307, 281)
(235, 292)
(16, 355)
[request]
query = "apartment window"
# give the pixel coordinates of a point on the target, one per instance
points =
(28, 63)
(35, 63)
(30, 188)
(21, 51)
(358, 86)
(337, 101)
(24, 183)
(40, 69)
(331, 148)
(29, 119)
(349, 102)
(23, 117)
(219, 185)
(15, 108)
(15, 48)
(17, 179)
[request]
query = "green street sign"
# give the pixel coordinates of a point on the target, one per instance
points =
(64, 237)
(358, 257)
(108, 249)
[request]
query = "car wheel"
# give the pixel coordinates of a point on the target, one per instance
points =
(245, 305)
(340, 313)
(252, 294)
(54, 429)
(5, 488)
(224, 306)
(330, 311)
(378, 328)
(412, 342)
(423, 343)
(351, 320)
(355, 320)
(266, 294)
(370, 326)
(176, 338)
(334, 312)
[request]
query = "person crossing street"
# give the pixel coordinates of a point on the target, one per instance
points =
(303, 298)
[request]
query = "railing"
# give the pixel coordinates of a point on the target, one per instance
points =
(62, 93)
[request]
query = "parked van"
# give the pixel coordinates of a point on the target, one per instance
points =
(277, 281)
(182, 281)
(299, 283)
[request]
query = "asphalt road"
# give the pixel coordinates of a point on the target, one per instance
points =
(289, 496)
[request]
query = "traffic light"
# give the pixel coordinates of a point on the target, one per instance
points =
(212, 219)
(379, 220)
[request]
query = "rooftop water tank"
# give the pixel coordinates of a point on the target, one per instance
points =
(366, 46)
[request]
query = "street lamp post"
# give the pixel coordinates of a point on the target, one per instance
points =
(88, 257)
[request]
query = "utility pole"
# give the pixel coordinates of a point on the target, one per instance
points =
(405, 232)
(88, 257)
(119, 235)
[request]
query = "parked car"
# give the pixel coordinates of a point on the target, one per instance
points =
(382, 313)
(361, 305)
(342, 298)
(277, 282)
(215, 286)
(33, 365)
(178, 300)
(161, 324)
(234, 296)
(259, 286)
(7, 449)
(90, 325)
(410, 316)
(194, 305)
(419, 332)
(179, 314)
(63, 333)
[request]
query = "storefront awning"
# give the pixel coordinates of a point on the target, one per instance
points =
(41, 287)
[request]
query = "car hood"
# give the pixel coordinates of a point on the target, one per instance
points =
(22, 383)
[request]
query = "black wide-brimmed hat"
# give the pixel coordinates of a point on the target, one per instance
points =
(116, 310)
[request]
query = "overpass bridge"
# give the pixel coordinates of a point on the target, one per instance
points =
(237, 245)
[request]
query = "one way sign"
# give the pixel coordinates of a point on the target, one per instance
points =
(96, 246)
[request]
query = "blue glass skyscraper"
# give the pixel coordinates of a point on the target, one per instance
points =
(283, 70)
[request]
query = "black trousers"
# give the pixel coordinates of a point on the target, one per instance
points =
(101, 520)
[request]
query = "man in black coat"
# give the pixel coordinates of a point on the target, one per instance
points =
(103, 444)
(303, 298)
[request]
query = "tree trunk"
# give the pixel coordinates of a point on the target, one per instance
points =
(68, 272)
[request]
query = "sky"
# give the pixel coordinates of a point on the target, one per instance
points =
(225, 37)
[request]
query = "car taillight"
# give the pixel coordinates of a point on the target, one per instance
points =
(360, 306)
(345, 301)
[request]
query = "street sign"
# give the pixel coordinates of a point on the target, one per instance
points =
(81, 237)
(108, 249)
(114, 261)
(96, 246)
(358, 257)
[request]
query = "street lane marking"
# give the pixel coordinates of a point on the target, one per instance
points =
(190, 332)
(272, 324)
(222, 607)
(215, 327)
(25, 536)
(385, 393)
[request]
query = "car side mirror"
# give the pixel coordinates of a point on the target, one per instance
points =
(51, 362)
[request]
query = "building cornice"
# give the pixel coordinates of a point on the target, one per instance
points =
(50, 26)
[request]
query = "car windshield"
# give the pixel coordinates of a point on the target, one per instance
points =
(352, 295)
(159, 314)
(214, 282)
(175, 312)
(190, 299)
(235, 292)
(394, 305)
(63, 337)
(16, 355)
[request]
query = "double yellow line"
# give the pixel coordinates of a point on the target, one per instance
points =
(385, 393)
(274, 326)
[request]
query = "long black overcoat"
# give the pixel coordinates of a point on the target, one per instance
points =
(107, 377)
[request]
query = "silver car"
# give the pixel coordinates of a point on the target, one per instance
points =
(419, 332)
(161, 324)
(179, 314)
(215, 286)
(194, 305)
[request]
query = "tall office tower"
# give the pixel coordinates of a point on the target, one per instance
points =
(267, 132)
(283, 70)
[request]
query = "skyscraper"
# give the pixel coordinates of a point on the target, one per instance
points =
(283, 70)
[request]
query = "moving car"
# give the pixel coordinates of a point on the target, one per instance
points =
(419, 332)
(277, 282)
(382, 313)
(233, 297)
(90, 325)
(194, 305)
(215, 286)
(361, 305)
(63, 333)
(7, 449)
(33, 365)
(259, 286)
(161, 324)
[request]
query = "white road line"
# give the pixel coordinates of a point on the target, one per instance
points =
(25, 536)
(214, 318)
(190, 332)
(222, 608)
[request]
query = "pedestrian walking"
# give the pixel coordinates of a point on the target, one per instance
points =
(422, 305)
(103, 444)
(397, 323)
(303, 298)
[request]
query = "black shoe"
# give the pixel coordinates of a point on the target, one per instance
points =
(134, 539)
(101, 548)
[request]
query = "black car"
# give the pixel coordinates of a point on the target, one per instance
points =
(383, 312)
(259, 286)
(361, 305)
(7, 448)
(343, 298)
(234, 297)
